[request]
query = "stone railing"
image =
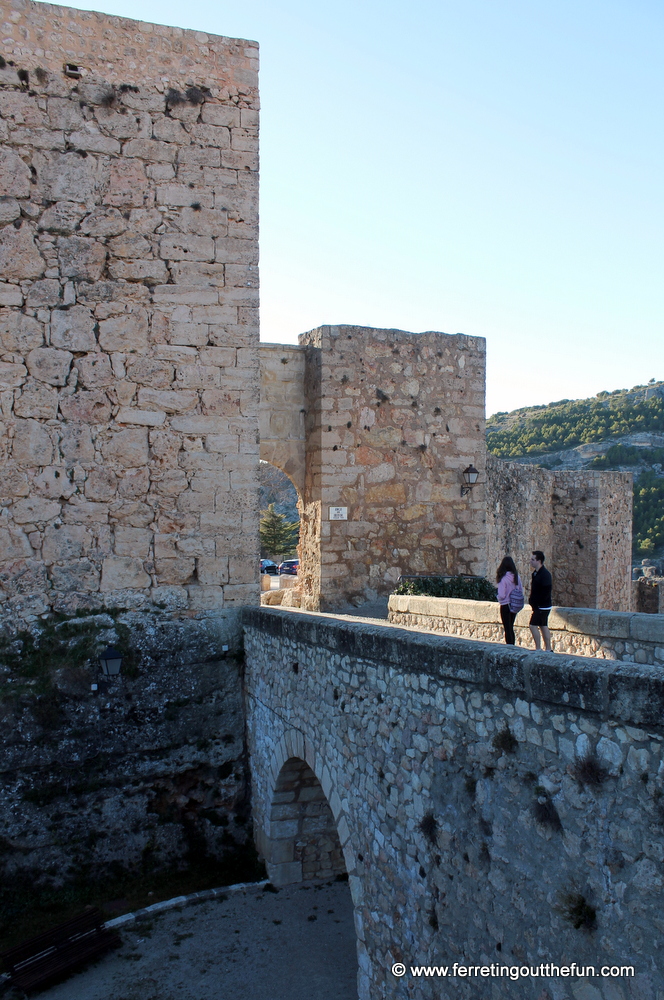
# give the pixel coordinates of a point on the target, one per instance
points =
(609, 635)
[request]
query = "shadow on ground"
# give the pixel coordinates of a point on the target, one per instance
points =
(294, 944)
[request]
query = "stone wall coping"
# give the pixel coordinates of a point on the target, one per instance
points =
(177, 902)
(587, 621)
(628, 692)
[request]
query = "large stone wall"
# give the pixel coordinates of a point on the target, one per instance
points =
(392, 420)
(128, 314)
(496, 807)
(282, 410)
(144, 775)
(582, 521)
(607, 635)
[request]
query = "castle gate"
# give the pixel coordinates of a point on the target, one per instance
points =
(493, 807)
(374, 428)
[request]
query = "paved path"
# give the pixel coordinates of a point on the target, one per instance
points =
(296, 944)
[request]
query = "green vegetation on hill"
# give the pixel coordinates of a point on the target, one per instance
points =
(625, 454)
(539, 430)
(648, 523)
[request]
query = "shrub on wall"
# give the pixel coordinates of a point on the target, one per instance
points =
(474, 588)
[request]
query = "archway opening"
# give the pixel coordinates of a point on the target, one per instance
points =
(280, 508)
(302, 843)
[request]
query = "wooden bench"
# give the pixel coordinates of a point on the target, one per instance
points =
(52, 956)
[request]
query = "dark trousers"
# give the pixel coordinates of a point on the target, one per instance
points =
(507, 617)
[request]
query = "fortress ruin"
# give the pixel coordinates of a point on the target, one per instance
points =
(136, 404)
(131, 370)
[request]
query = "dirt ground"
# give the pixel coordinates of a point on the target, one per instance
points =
(295, 944)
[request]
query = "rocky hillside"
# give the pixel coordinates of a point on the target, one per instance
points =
(621, 430)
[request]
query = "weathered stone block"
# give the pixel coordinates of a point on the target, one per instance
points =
(148, 149)
(76, 442)
(35, 400)
(86, 407)
(34, 509)
(104, 222)
(648, 628)
(170, 401)
(81, 257)
(127, 447)
(14, 175)
(47, 292)
(121, 572)
(185, 247)
(205, 598)
(49, 365)
(101, 484)
(133, 542)
(9, 210)
(127, 332)
(14, 544)
(78, 575)
(73, 329)
(139, 270)
(174, 571)
(62, 218)
(128, 185)
(32, 445)
(70, 176)
(64, 543)
(214, 571)
(95, 371)
(12, 376)
(19, 257)
(146, 418)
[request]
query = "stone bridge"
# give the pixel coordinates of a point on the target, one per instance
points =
(493, 807)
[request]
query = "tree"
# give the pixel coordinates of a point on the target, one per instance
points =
(278, 535)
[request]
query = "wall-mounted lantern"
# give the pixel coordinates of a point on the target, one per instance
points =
(111, 661)
(470, 478)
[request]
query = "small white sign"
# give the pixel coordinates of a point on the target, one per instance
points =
(338, 513)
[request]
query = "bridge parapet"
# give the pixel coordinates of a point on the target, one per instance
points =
(606, 635)
(480, 792)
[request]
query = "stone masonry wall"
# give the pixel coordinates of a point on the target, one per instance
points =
(582, 521)
(392, 420)
(128, 314)
(606, 635)
(497, 808)
(146, 774)
(282, 410)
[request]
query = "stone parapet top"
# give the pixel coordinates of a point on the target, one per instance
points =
(631, 693)
(586, 621)
(122, 50)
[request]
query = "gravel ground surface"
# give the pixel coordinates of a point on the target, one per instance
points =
(295, 944)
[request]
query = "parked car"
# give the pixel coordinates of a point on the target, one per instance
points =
(267, 566)
(289, 567)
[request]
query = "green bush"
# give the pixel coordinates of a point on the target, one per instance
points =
(473, 588)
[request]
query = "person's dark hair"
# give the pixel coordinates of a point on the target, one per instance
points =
(539, 555)
(507, 566)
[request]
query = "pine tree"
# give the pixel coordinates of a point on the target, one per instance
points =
(278, 535)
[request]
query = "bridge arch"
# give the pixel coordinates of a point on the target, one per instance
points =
(294, 775)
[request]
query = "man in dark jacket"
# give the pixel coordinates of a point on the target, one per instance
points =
(540, 600)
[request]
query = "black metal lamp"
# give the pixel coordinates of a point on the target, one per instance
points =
(111, 661)
(470, 478)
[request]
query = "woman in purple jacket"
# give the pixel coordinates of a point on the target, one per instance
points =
(507, 579)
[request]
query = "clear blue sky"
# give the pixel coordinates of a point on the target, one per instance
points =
(490, 168)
